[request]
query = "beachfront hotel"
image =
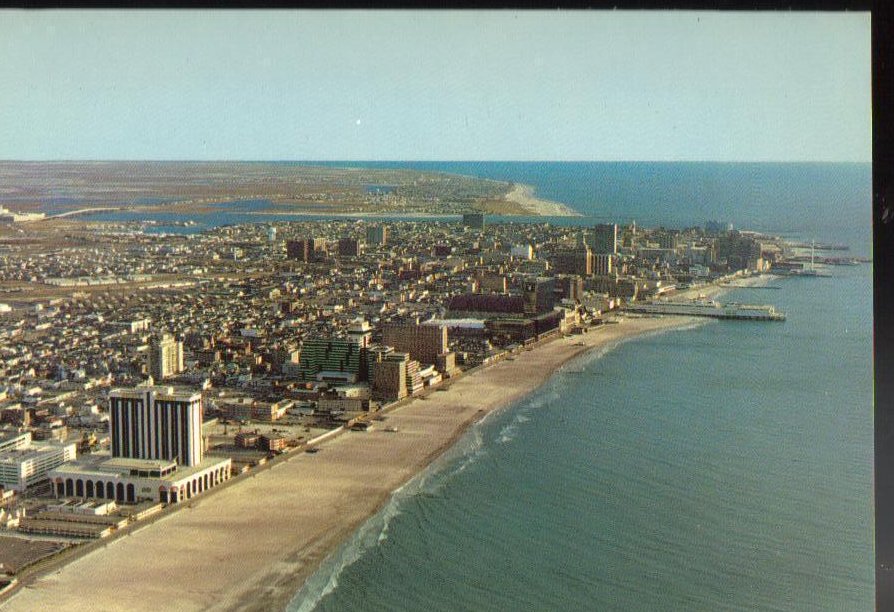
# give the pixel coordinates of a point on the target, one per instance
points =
(426, 342)
(156, 423)
(157, 451)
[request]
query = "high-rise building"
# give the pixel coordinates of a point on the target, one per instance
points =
(491, 282)
(569, 287)
(522, 251)
(389, 377)
(307, 250)
(604, 238)
(474, 220)
(540, 295)
(668, 239)
(423, 342)
(298, 249)
(165, 357)
(156, 423)
(341, 356)
(718, 227)
(377, 235)
(349, 247)
(414, 378)
(602, 264)
(578, 261)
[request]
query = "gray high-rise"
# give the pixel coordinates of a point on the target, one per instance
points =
(604, 238)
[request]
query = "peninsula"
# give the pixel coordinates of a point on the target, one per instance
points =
(259, 187)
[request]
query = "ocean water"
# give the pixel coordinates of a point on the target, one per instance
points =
(723, 467)
(823, 201)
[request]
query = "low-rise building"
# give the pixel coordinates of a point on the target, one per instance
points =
(24, 467)
(131, 480)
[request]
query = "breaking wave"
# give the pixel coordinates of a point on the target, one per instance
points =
(469, 449)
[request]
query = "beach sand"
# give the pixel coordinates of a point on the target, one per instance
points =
(523, 195)
(252, 545)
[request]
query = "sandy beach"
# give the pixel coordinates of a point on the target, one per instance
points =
(523, 195)
(252, 545)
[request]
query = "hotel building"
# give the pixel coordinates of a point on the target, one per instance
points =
(157, 451)
(156, 423)
(377, 235)
(423, 342)
(604, 238)
(165, 357)
(474, 220)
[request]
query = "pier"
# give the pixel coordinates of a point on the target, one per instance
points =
(709, 308)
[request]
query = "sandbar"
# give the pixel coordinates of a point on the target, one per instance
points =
(523, 195)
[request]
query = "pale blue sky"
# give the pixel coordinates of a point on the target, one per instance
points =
(435, 86)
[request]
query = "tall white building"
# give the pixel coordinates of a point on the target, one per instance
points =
(165, 357)
(156, 423)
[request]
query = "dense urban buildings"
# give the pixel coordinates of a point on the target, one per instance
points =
(154, 367)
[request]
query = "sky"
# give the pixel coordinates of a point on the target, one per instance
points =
(448, 85)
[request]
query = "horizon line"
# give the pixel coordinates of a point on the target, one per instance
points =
(432, 161)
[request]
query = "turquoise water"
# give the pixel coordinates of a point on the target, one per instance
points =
(723, 467)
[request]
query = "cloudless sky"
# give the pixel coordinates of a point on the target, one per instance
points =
(496, 85)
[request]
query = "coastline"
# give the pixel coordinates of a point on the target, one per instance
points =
(520, 194)
(523, 195)
(253, 545)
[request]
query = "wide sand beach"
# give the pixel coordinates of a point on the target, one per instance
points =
(252, 545)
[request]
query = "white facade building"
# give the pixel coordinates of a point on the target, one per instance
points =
(165, 357)
(23, 467)
(132, 480)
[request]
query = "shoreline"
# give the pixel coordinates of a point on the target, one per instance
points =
(523, 195)
(520, 194)
(254, 545)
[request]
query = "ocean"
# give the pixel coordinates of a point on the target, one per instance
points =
(726, 466)
(723, 467)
